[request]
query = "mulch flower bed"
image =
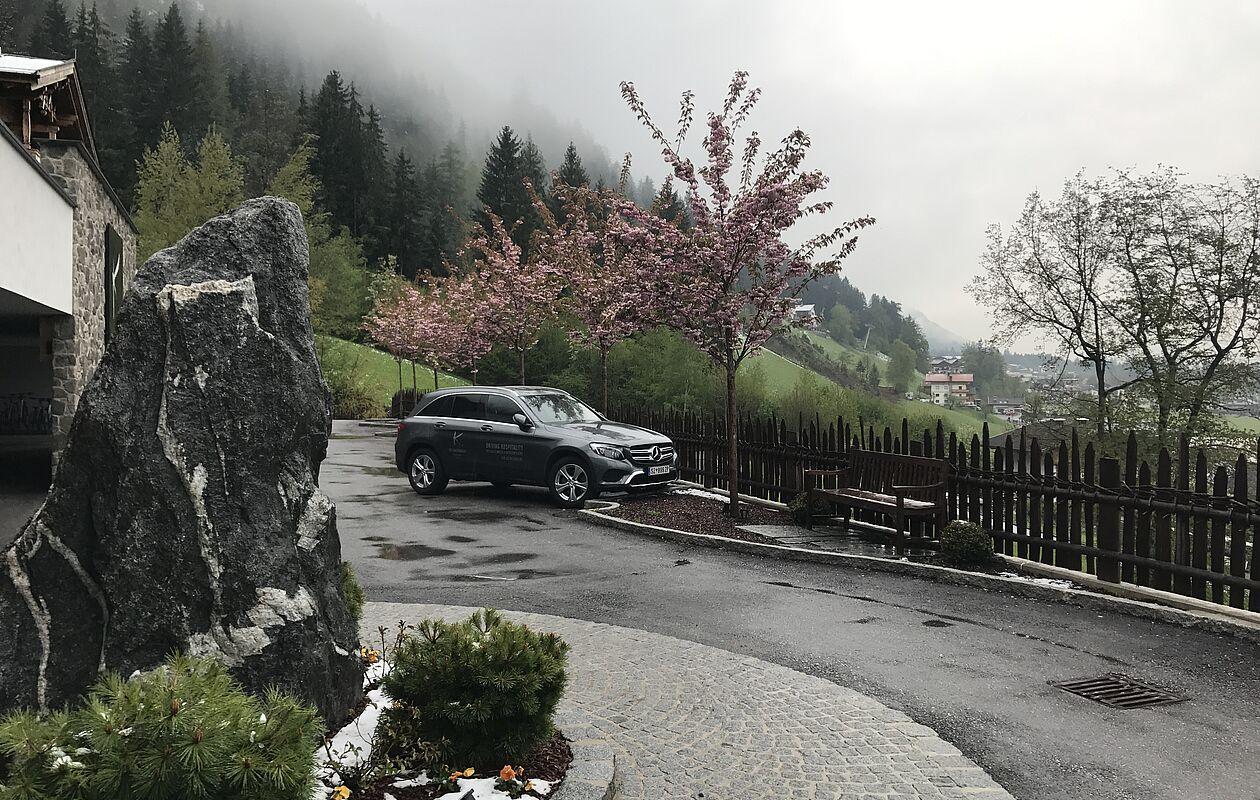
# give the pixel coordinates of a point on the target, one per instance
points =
(548, 762)
(695, 513)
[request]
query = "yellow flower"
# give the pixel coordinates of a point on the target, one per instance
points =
(341, 793)
(507, 773)
(529, 786)
(468, 773)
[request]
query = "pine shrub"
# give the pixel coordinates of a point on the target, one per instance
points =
(481, 692)
(184, 731)
(965, 544)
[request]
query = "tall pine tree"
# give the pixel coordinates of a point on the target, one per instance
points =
(667, 206)
(173, 77)
(503, 190)
(571, 172)
(103, 93)
(404, 233)
(328, 122)
(53, 37)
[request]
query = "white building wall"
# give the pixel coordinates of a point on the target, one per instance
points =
(36, 239)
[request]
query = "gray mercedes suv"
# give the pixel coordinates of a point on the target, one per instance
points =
(528, 435)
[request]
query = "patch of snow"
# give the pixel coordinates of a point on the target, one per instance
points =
(352, 745)
(705, 493)
(375, 673)
(406, 783)
(1053, 582)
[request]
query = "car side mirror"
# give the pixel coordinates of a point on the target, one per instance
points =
(522, 421)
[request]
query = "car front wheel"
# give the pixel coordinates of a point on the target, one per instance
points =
(570, 483)
(426, 473)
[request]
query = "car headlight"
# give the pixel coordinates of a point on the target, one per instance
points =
(608, 451)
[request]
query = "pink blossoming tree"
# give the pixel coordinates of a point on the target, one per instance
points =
(735, 276)
(598, 249)
(518, 294)
(440, 327)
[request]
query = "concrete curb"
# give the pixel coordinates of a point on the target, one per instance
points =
(593, 774)
(1213, 622)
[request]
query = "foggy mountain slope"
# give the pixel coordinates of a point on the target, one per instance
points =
(942, 340)
(425, 101)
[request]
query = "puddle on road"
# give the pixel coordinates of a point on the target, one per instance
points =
(937, 623)
(460, 515)
(384, 471)
(410, 552)
(503, 558)
(515, 575)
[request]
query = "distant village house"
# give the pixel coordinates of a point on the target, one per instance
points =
(806, 315)
(950, 388)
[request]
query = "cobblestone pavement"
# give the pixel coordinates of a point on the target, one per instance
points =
(691, 721)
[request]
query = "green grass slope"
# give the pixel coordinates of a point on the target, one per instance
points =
(781, 375)
(379, 370)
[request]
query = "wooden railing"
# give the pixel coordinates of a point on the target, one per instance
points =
(1187, 525)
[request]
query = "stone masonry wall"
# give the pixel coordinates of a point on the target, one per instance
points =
(79, 342)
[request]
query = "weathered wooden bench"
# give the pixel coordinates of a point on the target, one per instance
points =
(901, 487)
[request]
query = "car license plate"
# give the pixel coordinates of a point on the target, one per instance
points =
(661, 470)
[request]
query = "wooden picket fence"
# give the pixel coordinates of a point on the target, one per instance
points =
(1187, 525)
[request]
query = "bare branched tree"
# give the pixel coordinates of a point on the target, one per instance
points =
(1048, 276)
(1149, 273)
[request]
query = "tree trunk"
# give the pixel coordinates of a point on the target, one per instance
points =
(1100, 371)
(435, 377)
(522, 366)
(732, 443)
(603, 371)
(414, 390)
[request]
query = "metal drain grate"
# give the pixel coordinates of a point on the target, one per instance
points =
(1119, 691)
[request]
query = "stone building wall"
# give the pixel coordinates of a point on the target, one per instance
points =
(78, 342)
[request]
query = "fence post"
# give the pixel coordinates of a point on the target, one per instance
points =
(1109, 520)
(791, 466)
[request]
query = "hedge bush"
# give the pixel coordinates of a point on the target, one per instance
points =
(184, 731)
(481, 692)
(966, 544)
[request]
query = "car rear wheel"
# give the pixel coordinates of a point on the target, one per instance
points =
(570, 483)
(426, 473)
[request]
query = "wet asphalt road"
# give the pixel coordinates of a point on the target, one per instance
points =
(969, 663)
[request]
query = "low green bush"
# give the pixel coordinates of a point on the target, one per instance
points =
(481, 692)
(351, 590)
(966, 544)
(182, 731)
(799, 511)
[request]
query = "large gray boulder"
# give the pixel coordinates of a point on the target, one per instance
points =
(184, 513)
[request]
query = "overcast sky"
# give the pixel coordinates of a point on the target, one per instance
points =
(937, 118)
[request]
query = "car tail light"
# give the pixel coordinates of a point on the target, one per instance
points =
(401, 425)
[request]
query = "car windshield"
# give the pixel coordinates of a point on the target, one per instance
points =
(559, 409)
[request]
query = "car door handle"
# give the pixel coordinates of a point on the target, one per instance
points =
(487, 427)
(439, 424)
